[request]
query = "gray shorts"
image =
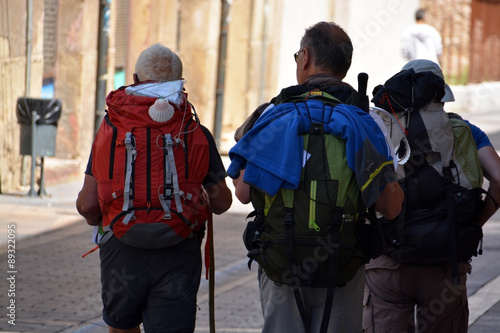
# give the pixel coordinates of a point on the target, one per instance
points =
(281, 313)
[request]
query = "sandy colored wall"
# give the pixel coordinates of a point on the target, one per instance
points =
(76, 71)
(262, 36)
(13, 80)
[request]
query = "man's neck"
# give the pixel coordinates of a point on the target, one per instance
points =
(322, 78)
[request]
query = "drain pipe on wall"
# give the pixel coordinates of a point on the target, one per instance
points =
(27, 80)
(29, 32)
(221, 70)
(102, 63)
(264, 52)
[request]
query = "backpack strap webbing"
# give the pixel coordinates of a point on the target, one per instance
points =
(452, 239)
(332, 270)
(317, 133)
(320, 95)
(288, 196)
(128, 203)
(171, 186)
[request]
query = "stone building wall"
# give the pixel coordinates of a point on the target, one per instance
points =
(13, 81)
(75, 79)
(252, 55)
(452, 18)
(261, 37)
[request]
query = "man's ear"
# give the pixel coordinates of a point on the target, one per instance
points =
(136, 78)
(306, 59)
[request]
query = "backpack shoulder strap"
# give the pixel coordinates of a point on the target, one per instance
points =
(288, 196)
(465, 151)
(316, 94)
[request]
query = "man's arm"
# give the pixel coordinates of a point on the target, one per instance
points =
(87, 203)
(242, 190)
(220, 197)
(490, 161)
(390, 201)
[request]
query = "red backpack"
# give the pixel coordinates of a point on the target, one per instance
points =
(150, 174)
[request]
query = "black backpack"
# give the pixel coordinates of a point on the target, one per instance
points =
(408, 91)
(441, 180)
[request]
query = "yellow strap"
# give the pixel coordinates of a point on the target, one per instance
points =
(374, 174)
(312, 206)
(268, 202)
(287, 197)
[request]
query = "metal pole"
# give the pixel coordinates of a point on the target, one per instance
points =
(41, 190)
(221, 66)
(102, 63)
(29, 28)
(263, 60)
(179, 23)
(34, 118)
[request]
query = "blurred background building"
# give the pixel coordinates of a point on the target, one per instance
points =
(236, 55)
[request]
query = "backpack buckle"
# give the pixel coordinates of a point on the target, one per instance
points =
(288, 221)
(168, 191)
(316, 129)
(447, 174)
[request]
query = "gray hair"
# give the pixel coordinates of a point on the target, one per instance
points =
(330, 46)
(158, 63)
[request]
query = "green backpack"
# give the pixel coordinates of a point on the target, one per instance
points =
(305, 233)
(308, 237)
(314, 235)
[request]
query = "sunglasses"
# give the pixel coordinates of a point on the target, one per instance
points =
(296, 55)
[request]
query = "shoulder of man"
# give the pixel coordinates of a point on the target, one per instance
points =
(249, 122)
(342, 91)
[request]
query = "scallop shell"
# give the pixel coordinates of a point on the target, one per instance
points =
(161, 111)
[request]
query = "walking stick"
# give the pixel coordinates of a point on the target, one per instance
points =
(363, 102)
(211, 275)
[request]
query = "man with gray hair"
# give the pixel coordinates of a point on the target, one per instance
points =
(294, 297)
(153, 177)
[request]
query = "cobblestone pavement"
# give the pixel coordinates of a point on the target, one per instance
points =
(56, 290)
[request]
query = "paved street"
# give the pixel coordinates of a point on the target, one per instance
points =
(56, 290)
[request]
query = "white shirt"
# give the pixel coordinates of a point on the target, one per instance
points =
(422, 41)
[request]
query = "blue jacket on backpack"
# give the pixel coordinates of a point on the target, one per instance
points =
(272, 151)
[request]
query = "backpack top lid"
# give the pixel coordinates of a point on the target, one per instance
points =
(423, 65)
(418, 83)
(148, 103)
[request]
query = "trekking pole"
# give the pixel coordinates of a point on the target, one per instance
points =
(211, 275)
(363, 103)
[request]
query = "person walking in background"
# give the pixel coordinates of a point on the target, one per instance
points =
(428, 248)
(422, 41)
(294, 296)
(153, 177)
